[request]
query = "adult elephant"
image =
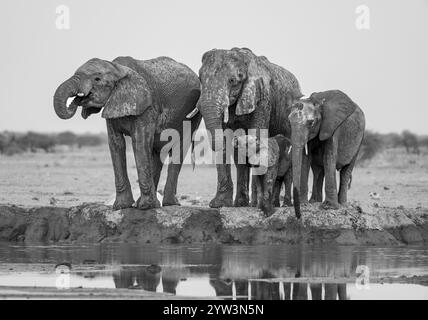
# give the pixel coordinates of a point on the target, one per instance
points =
(331, 126)
(139, 99)
(240, 90)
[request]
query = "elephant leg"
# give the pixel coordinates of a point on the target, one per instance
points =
(288, 180)
(224, 195)
(320, 184)
(345, 181)
(142, 143)
(277, 191)
(304, 178)
(170, 192)
(243, 179)
(329, 159)
(157, 169)
(268, 182)
(117, 146)
(259, 186)
(317, 184)
(254, 191)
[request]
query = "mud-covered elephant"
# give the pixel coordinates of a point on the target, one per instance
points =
(328, 126)
(138, 99)
(242, 90)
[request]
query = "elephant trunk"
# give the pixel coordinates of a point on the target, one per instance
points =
(212, 112)
(67, 89)
(297, 167)
(214, 126)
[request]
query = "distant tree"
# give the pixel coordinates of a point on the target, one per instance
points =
(67, 138)
(410, 141)
(13, 148)
(89, 140)
(392, 140)
(423, 141)
(3, 142)
(372, 144)
(33, 141)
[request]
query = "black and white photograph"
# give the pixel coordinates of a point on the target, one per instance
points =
(231, 150)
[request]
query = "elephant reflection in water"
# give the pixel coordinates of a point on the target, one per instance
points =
(228, 288)
(147, 278)
(297, 291)
(335, 290)
(245, 289)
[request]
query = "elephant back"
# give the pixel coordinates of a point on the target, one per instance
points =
(172, 82)
(285, 91)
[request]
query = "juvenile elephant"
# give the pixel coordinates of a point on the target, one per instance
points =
(139, 99)
(330, 127)
(270, 161)
(240, 90)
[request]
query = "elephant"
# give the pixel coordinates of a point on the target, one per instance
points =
(329, 127)
(240, 90)
(284, 177)
(139, 98)
(275, 153)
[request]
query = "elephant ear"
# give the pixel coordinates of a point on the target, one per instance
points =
(335, 108)
(253, 91)
(269, 153)
(130, 97)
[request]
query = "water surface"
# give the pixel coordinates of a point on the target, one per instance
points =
(230, 272)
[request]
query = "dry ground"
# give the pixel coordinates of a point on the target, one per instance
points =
(85, 175)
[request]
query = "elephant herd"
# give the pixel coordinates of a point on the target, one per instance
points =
(235, 90)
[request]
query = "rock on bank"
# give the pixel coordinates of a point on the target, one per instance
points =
(354, 225)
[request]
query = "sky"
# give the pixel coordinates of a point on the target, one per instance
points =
(384, 68)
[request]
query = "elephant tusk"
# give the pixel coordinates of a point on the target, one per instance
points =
(226, 115)
(306, 149)
(80, 94)
(192, 113)
(289, 150)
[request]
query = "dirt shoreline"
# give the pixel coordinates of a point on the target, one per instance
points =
(93, 222)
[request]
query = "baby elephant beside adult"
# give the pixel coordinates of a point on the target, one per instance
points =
(332, 126)
(271, 166)
(240, 90)
(139, 99)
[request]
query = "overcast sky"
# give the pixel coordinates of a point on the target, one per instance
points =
(383, 69)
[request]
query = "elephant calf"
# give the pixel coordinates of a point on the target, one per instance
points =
(329, 126)
(269, 161)
(138, 99)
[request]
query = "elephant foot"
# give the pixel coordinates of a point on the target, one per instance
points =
(123, 200)
(223, 199)
(268, 210)
(147, 202)
(241, 201)
(330, 205)
(170, 201)
(287, 203)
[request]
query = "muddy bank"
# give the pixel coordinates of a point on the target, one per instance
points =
(355, 225)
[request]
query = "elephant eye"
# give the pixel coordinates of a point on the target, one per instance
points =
(233, 81)
(311, 122)
(240, 75)
(97, 79)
